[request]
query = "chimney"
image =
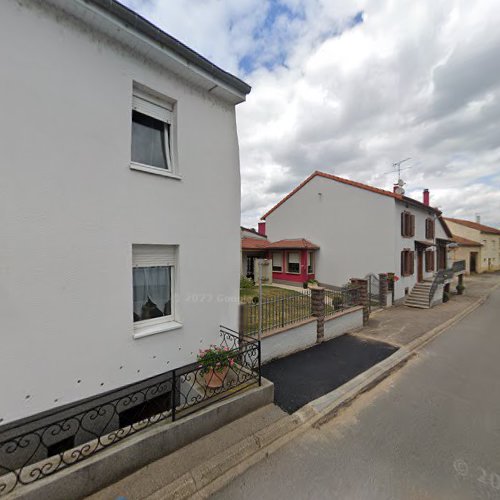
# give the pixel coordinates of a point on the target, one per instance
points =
(478, 218)
(262, 228)
(426, 197)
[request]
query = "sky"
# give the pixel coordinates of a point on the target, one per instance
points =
(351, 87)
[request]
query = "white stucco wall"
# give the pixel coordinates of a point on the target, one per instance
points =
(71, 208)
(353, 228)
(343, 323)
(295, 338)
(402, 243)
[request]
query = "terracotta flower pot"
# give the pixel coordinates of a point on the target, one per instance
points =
(215, 379)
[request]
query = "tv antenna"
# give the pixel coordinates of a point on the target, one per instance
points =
(400, 183)
(397, 165)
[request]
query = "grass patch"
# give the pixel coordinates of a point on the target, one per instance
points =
(268, 292)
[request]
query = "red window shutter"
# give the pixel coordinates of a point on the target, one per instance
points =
(403, 270)
(412, 232)
(403, 224)
(427, 231)
(412, 262)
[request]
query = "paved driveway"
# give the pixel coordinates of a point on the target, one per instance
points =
(307, 375)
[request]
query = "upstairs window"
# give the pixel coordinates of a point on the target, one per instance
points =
(151, 132)
(293, 262)
(429, 229)
(407, 263)
(407, 224)
(429, 261)
(278, 262)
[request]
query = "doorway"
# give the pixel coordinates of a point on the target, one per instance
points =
(473, 262)
(420, 266)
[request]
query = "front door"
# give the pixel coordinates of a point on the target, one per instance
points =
(420, 266)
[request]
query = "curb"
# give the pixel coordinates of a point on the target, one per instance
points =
(206, 479)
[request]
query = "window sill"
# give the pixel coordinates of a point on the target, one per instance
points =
(154, 170)
(146, 331)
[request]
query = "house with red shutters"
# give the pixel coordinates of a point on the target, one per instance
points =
(361, 230)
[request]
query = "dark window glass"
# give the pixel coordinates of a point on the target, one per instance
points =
(148, 140)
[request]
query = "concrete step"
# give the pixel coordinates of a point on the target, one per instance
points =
(418, 306)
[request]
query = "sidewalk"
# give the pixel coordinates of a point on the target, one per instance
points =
(401, 325)
(201, 468)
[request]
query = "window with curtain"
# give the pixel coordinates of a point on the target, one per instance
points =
(278, 261)
(153, 272)
(152, 292)
(293, 262)
(151, 131)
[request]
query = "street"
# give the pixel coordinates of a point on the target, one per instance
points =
(429, 431)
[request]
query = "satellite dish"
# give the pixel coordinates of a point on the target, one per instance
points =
(401, 182)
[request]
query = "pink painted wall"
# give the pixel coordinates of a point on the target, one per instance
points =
(296, 278)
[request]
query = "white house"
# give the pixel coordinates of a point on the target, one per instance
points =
(361, 229)
(119, 150)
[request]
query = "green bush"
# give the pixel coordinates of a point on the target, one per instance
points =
(246, 282)
(446, 296)
(255, 299)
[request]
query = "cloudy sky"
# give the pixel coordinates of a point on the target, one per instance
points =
(350, 87)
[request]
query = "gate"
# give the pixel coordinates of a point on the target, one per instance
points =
(373, 285)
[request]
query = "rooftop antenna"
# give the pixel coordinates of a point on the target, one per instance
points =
(398, 188)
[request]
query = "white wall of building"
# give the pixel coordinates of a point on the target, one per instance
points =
(347, 223)
(71, 208)
(402, 243)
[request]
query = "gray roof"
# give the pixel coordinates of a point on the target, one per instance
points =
(143, 26)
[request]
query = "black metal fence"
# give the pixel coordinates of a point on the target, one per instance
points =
(277, 312)
(340, 299)
(45, 445)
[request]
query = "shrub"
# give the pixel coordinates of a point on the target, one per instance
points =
(446, 296)
(215, 358)
(255, 299)
(246, 282)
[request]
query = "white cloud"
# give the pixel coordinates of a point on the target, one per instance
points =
(419, 79)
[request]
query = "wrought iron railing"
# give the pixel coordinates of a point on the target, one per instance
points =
(44, 446)
(458, 266)
(341, 299)
(277, 312)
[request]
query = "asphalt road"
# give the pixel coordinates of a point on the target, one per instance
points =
(430, 431)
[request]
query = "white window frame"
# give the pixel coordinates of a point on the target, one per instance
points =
(154, 256)
(149, 104)
(310, 262)
(280, 270)
(288, 262)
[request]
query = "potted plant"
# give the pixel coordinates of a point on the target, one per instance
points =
(460, 289)
(215, 363)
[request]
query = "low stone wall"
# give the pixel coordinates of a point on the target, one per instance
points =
(343, 322)
(289, 339)
(300, 336)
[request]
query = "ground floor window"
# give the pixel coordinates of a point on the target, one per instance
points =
(310, 263)
(293, 262)
(153, 283)
(278, 262)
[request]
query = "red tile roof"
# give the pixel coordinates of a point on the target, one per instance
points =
(464, 242)
(360, 185)
(254, 244)
(474, 225)
(298, 243)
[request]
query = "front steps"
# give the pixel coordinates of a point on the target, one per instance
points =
(419, 295)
